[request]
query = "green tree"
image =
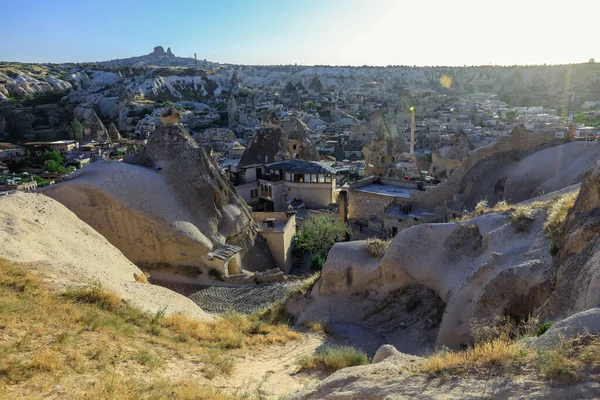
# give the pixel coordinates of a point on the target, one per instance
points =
(317, 235)
(53, 166)
(511, 115)
(48, 155)
(75, 130)
(52, 160)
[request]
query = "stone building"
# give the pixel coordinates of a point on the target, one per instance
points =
(306, 184)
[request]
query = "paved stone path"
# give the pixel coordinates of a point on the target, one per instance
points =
(245, 299)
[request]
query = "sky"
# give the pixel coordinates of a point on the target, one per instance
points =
(304, 32)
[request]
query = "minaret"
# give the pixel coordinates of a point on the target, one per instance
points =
(412, 130)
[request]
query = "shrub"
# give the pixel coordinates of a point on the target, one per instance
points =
(543, 328)
(316, 262)
(318, 234)
(377, 247)
(333, 358)
(553, 249)
(557, 215)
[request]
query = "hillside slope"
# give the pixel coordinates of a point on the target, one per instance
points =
(43, 234)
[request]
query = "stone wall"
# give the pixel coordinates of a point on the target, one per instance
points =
(363, 205)
(519, 140)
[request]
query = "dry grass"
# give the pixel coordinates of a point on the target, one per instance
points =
(317, 327)
(498, 348)
(142, 278)
(498, 352)
(558, 208)
(557, 214)
(331, 359)
(377, 247)
(89, 341)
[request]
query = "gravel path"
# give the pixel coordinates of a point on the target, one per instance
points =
(245, 299)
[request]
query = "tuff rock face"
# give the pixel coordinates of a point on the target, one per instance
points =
(299, 136)
(218, 210)
(170, 215)
(578, 267)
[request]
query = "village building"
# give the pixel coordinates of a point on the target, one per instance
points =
(278, 229)
(64, 147)
(297, 183)
(378, 206)
(12, 152)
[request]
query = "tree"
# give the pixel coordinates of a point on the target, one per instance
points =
(75, 130)
(53, 166)
(318, 234)
(48, 155)
(52, 160)
(511, 115)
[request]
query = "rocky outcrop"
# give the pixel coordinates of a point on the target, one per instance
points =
(93, 128)
(396, 380)
(41, 233)
(383, 152)
(269, 143)
(447, 158)
(578, 268)
(315, 85)
(113, 133)
(17, 84)
(466, 269)
(516, 175)
(298, 136)
(173, 213)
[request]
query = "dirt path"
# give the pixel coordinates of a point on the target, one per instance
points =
(271, 373)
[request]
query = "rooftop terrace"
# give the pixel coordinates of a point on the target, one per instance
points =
(387, 190)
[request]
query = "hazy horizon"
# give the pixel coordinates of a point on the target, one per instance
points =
(327, 32)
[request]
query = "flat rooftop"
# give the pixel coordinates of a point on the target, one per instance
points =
(386, 190)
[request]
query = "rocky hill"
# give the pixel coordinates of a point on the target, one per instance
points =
(171, 210)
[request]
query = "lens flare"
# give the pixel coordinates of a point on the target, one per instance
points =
(446, 81)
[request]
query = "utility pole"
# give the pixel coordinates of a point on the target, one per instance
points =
(196, 61)
(412, 130)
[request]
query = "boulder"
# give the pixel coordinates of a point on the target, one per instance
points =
(384, 352)
(582, 323)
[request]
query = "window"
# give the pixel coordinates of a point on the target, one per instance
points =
(294, 147)
(328, 178)
(288, 176)
(254, 193)
(306, 178)
(313, 178)
(321, 178)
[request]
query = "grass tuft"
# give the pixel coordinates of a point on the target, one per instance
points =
(331, 359)
(557, 215)
(317, 327)
(94, 294)
(377, 247)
